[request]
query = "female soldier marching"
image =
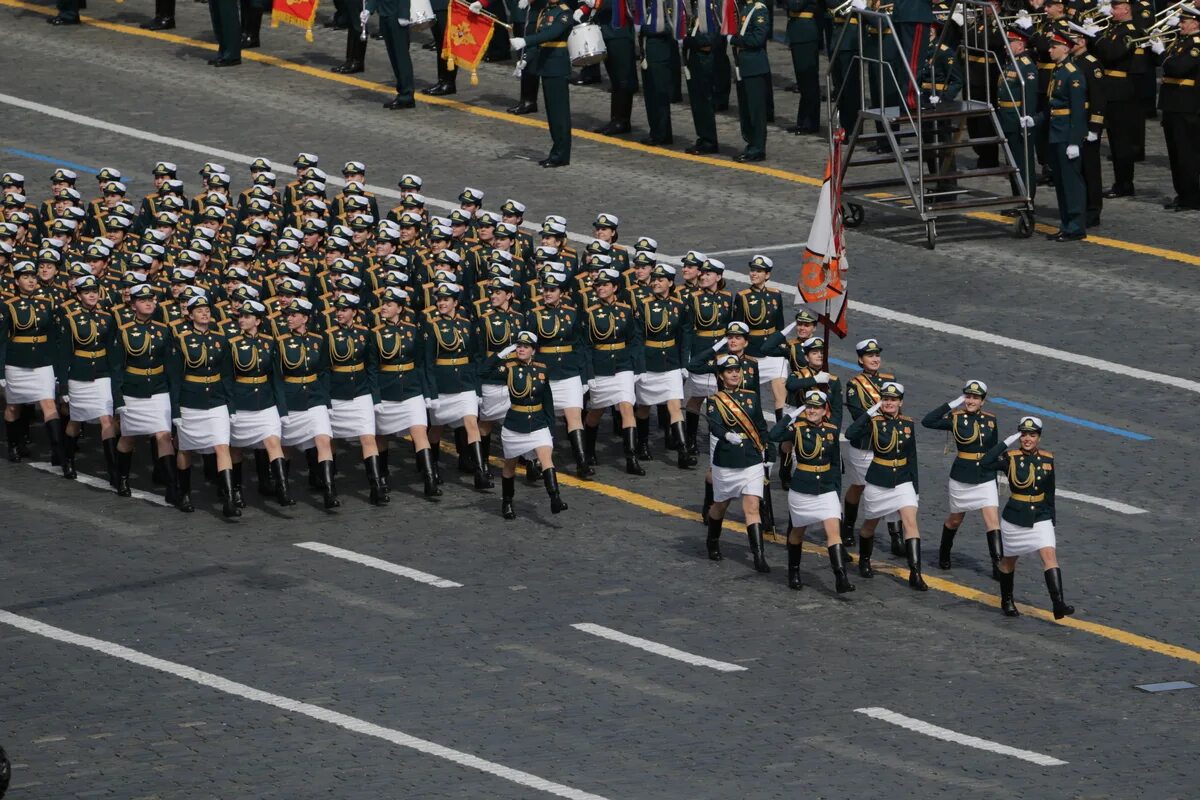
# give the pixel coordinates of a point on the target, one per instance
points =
(971, 486)
(304, 364)
(1027, 524)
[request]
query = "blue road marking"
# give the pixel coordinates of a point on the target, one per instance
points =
(51, 160)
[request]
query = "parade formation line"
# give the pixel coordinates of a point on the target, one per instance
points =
(458, 105)
(287, 704)
(947, 735)
(657, 648)
(880, 312)
(100, 483)
(380, 564)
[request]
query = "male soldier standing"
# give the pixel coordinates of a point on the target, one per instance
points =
(1124, 117)
(1093, 72)
(1016, 100)
(553, 65)
(803, 36)
(1179, 100)
(754, 77)
(1067, 119)
(700, 46)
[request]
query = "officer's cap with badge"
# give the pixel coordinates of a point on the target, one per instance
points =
(663, 271)
(892, 389)
(78, 269)
(411, 183)
(461, 216)
(599, 246)
(815, 398)
(87, 283)
(527, 338)
(1030, 425)
(306, 160)
(506, 230)
(142, 291)
(727, 362)
(609, 221)
(132, 278)
(713, 265)
(199, 300)
(353, 168)
(24, 268)
(737, 328)
(501, 284)
(348, 300)
(643, 258)
(976, 388)
(487, 219)
(253, 308)
(261, 164)
(471, 196)
(513, 208)
(299, 305)
(446, 290)
(289, 286)
(12, 179)
(607, 276)
(598, 261)
(114, 188)
(868, 347)
(62, 175)
(438, 233)
(693, 258)
(553, 280)
(118, 223)
(646, 243)
(553, 228)
(761, 263)
(244, 293)
(394, 294)
(812, 343)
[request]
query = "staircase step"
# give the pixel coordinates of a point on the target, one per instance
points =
(877, 183)
(929, 146)
(1008, 201)
(1004, 169)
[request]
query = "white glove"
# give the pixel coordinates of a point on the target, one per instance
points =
(1024, 21)
(767, 468)
(66, 398)
(1105, 9)
(517, 42)
(1010, 440)
(1028, 122)
(476, 7)
(177, 421)
(1090, 31)
(795, 415)
(363, 16)
(729, 38)
(1072, 151)
(508, 351)
(732, 437)
(403, 22)
(1157, 46)
(957, 15)
(873, 411)
(716, 348)
(956, 402)
(683, 373)
(821, 377)
(858, 4)
(1172, 21)
(522, 4)
(788, 330)
(1092, 136)
(578, 15)
(934, 99)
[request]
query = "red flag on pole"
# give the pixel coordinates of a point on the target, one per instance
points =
(823, 271)
(467, 37)
(301, 13)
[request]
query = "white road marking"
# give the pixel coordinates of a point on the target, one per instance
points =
(749, 251)
(99, 483)
(1103, 502)
(379, 563)
(656, 648)
(289, 705)
(945, 734)
(855, 305)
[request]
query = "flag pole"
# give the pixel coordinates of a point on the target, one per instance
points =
(492, 17)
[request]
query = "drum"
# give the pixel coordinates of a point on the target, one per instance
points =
(585, 45)
(420, 15)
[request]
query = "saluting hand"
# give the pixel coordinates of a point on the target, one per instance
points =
(788, 330)
(1011, 440)
(508, 351)
(873, 411)
(821, 377)
(476, 7)
(716, 348)
(956, 402)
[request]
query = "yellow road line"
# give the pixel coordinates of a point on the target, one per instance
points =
(457, 105)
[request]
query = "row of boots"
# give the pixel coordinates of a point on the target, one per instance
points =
(508, 490)
(754, 531)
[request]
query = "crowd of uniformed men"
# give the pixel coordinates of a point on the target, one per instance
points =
(283, 319)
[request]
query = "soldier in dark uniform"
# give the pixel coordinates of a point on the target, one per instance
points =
(447, 82)
(1066, 116)
(227, 28)
(701, 48)
(552, 64)
(1093, 72)
(761, 307)
(164, 16)
(527, 102)
(1179, 100)
(803, 38)
(657, 40)
(753, 77)
(709, 311)
(1027, 524)
(620, 61)
(1016, 104)
(495, 329)
(1124, 62)
(663, 356)
(252, 14)
(614, 339)
(913, 19)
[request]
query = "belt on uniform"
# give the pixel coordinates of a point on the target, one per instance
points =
(144, 372)
(763, 331)
(941, 87)
(397, 367)
(30, 339)
(554, 44)
(557, 348)
(613, 346)
(527, 409)
(800, 14)
(661, 345)
(300, 379)
(452, 362)
(1180, 81)
(811, 467)
(349, 368)
(971, 456)
(1059, 112)
(1115, 73)
(889, 462)
(1096, 118)
(1029, 498)
(250, 379)
(1009, 104)
(711, 334)
(101, 353)
(701, 49)
(202, 378)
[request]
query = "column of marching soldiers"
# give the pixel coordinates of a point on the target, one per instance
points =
(282, 320)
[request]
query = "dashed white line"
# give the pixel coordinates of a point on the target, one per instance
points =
(287, 704)
(379, 563)
(98, 483)
(947, 735)
(749, 251)
(657, 648)
(1103, 502)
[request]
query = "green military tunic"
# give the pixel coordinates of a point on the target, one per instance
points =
(85, 348)
(561, 340)
(709, 312)
(547, 55)
(200, 371)
(304, 365)
(450, 348)
(762, 310)
(1016, 98)
(754, 77)
(29, 333)
(893, 440)
(531, 402)
(1067, 122)
(614, 338)
(142, 354)
(816, 454)
(754, 447)
(496, 329)
(804, 380)
(353, 362)
(1031, 481)
(257, 374)
(974, 435)
(402, 372)
(704, 362)
(662, 321)
(804, 40)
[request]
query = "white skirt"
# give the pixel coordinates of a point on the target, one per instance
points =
(855, 463)
(146, 416)
(1019, 540)
(25, 385)
(300, 428)
(812, 509)
(772, 368)
(652, 388)
(351, 419)
(392, 417)
(878, 501)
(972, 496)
(90, 400)
(700, 385)
(730, 483)
(567, 393)
(451, 408)
(516, 444)
(495, 403)
(202, 429)
(248, 428)
(609, 390)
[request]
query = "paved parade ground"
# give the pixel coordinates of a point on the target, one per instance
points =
(433, 650)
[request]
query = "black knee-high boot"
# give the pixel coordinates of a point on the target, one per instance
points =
(686, 459)
(425, 462)
(25, 439)
(616, 420)
(262, 467)
(328, 485)
(12, 432)
(283, 493)
(945, 547)
(508, 489)
(463, 448)
(582, 468)
(912, 550)
(794, 552)
(1006, 595)
(590, 434)
(768, 508)
(533, 470)
(664, 424)
(482, 479)
(210, 467)
(124, 464)
(785, 471)
(757, 547)
(708, 501)
(184, 500)
(109, 446)
(384, 470)
(692, 427)
(995, 547)
(170, 474)
(895, 531)
(849, 517)
(837, 563)
(1055, 585)
(54, 432)
(550, 479)
(713, 542)
(643, 437)
(238, 499)
(866, 546)
(485, 446)
(157, 476)
(314, 469)
(229, 506)
(379, 495)
(629, 438)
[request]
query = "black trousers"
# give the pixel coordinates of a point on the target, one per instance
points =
(1182, 131)
(1094, 180)
(445, 74)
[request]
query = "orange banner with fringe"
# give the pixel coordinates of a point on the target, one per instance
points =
(301, 13)
(467, 38)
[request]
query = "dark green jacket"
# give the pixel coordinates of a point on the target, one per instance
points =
(402, 371)
(804, 20)
(1008, 94)
(143, 349)
(451, 351)
(1066, 114)
(304, 364)
(801, 381)
(662, 334)
(561, 340)
(912, 11)
(894, 443)
(750, 43)
(496, 330)
(746, 453)
(777, 344)
(28, 334)
(974, 435)
(708, 314)
(704, 363)
(531, 403)
(862, 392)
(816, 454)
(353, 362)
(257, 379)
(85, 348)
(762, 310)
(546, 46)
(199, 371)
(614, 338)
(1031, 481)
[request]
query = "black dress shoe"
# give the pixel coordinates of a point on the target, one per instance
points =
(377, 37)
(1052, 236)
(428, 46)
(799, 130)
(250, 42)
(747, 157)
(1069, 237)
(160, 24)
(61, 20)
(654, 141)
(336, 24)
(612, 128)
(397, 103)
(227, 62)
(551, 163)
(212, 61)
(441, 89)
(1118, 191)
(584, 80)
(523, 108)
(148, 24)
(349, 68)
(702, 149)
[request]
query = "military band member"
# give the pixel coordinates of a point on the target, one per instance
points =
(1016, 95)
(550, 62)
(28, 334)
(803, 37)
(1067, 120)
(761, 307)
(614, 340)
(1124, 63)
(1027, 524)
(736, 423)
(753, 77)
(662, 320)
(814, 484)
(1179, 101)
(528, 419)
(971, 486)
(1097, 106)
(304, 364)
(702, 48)
(892, 479)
